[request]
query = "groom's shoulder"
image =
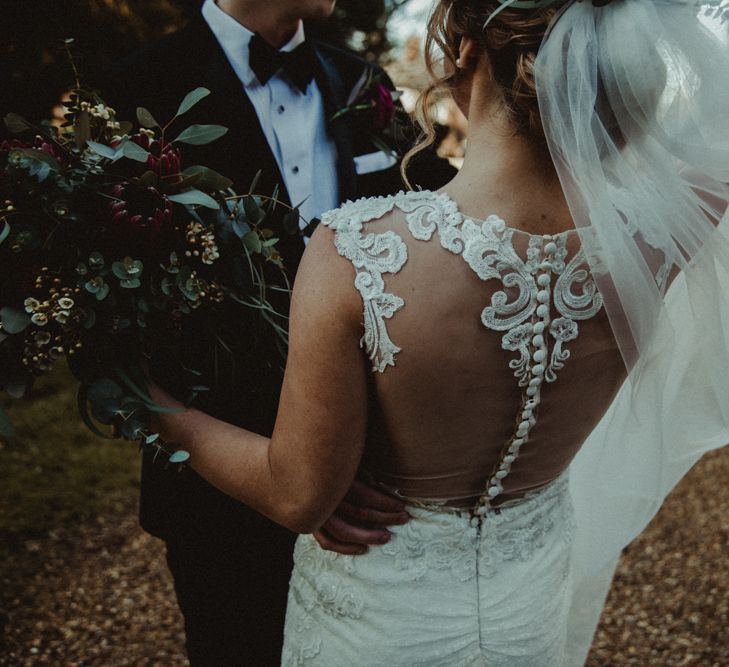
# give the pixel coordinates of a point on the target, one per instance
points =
(173, 49)
(161, 70)
(349, 65)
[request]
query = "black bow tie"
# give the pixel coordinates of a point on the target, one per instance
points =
(299, 64)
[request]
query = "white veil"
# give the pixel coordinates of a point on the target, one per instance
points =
(634, 99)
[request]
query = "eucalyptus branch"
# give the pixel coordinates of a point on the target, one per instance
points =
(77, 77)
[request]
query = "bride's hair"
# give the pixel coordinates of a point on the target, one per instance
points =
(510, 41)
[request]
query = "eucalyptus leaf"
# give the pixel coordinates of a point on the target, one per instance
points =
(17, 387)
(291, 221)
(198, 135)
(254, 182)
(240, 228)
(146, 119)
(186, 183)
(134, 423)
(5, 231)
(153, 407)
(195, 198)
(16, 123)
(102, 149)
(191, 99)
(96, 260)
(104, 389)
(37, 158)
(102, 292)
(14, 321)
(252, 241)
(125, 127)
(210, 180)
(135, 152)
(254, 213)
(136, 388)
(6, 427)
(382, 146)
(82, 400)
(90, 318)
(180, 456)
(40, 170)
(167, 286)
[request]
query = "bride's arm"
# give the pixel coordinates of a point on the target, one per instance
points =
(300, 475)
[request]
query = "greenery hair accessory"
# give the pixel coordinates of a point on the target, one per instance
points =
(535, 4)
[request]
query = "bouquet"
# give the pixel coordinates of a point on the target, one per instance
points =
(109, 249)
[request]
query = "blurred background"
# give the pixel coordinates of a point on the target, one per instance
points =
(81, 584)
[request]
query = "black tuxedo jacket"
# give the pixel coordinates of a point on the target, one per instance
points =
(183, 506)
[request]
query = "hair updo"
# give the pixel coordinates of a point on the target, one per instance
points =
(511, 41)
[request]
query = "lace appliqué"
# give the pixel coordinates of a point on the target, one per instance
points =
(314, 586)
(372, 255)
(420, 546)
(488, 249)
(531, 290)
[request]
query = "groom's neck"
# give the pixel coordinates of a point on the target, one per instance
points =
(266, 17)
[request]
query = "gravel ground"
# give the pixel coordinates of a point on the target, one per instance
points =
(99, 594)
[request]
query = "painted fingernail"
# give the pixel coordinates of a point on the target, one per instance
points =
(384, 538)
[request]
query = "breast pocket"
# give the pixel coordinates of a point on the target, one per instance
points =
(373, 162)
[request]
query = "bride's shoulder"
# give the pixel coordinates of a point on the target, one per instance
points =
(352, 216)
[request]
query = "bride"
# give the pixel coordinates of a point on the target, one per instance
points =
(532, 381)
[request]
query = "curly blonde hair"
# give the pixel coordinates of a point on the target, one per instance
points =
(510, 41)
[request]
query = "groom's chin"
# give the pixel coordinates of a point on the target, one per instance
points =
(321, 9)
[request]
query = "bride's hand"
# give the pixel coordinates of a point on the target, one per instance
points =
(360, 520)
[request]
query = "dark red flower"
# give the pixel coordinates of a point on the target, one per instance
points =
(12, 144)
(43, 145)
(39, 143)
(141, 209)
(164, 159)
(383, 106)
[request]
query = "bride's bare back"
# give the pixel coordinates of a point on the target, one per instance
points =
(493, 356)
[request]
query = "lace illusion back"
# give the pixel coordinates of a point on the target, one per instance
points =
(504, 357)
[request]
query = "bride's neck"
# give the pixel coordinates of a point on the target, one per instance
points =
(266, 18)
(501, 166)
(496, 155)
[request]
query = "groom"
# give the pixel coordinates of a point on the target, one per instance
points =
(277, 94)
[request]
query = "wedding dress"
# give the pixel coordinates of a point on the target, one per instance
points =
(536, 398)
(474, 424)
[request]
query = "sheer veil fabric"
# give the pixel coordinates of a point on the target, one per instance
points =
(634, 98)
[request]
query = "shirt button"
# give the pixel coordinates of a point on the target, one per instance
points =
(295, 170)
(281, 108)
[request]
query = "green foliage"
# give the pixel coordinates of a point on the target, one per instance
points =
(111, 253)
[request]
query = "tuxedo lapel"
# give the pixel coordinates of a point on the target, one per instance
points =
(335, 95)
(246, 144)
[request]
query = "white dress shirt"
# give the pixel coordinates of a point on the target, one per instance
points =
(293, 122)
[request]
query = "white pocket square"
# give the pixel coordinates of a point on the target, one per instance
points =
(366, 164)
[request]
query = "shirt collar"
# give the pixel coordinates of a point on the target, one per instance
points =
(235, 37)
